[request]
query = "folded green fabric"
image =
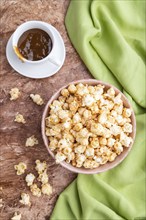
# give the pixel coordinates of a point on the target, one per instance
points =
(110, 38)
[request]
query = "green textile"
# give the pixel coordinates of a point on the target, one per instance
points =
(110, 39)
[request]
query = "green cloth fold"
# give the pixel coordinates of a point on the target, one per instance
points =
(110, 38)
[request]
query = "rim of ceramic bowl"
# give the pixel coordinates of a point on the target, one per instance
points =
(108, 165)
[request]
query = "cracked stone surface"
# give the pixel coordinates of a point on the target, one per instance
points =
(13, 135)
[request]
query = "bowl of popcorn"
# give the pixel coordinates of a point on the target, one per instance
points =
(88, 126)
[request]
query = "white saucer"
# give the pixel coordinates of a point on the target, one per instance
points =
(41, 70)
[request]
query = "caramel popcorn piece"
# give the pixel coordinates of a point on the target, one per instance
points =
(37, 99)
(43, 177)
(20, 168)
(31, 141)
(19, 118)
(25, 199)
(16, 216)
(46, 189)
(29, 179)
(40, 166)
(14, 93)
(35, 190)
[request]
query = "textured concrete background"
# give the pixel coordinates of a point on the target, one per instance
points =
(13, 135)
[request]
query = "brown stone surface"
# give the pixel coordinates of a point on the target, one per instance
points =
(13, 135)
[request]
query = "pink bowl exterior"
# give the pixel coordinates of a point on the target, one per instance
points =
(108, 165)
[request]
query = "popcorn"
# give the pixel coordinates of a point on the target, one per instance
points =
(67, 150)
(31, 141)
(87, 114)
(14, 93)
(88, 126)
(80, 160)
(60, 157)
(111, 92)
(16, 216)
(89, 152)
(117, 99)
(102, 141)
(35, 190)
(98, 159)
(88, 100)
(20, 168)
(63, 114)
(19, 118)
(102, 118)
(76, 118)
(37, 99)
(90, 164)
(112, 157)
(25, 199)
(65, 92)
(94, 143)
(47, 189)
(43, 177)
(80, 149)
(127, 128)
(127, 112)
(29, 179)
(110, 142)
(63, 143)
(53, 144)
(115, 130)
(125, 140)
(40, 167)
(72, 88)
(78, 127)
(118, 148)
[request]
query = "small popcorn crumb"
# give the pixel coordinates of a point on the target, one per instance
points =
(37, 99)
(14, 93)
(19, 118)
(29, 179)
(43, 177)
(16, 216)
(35, 190)
(40, 166)
(21, 167)
(25, 199)
(47, 189)
(31, 141)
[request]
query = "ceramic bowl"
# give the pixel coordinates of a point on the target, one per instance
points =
(108, 165)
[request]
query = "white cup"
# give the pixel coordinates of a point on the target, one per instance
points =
(31, 25)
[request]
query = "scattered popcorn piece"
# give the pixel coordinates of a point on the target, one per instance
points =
(43, 177)
(19, 118)
(29, 179)
(37, 99)
(25, 199)
(16, 216)
(20, 168)
(14, 93)
(47, 189)
(35, 190)
(40, 167)
(31, 141)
